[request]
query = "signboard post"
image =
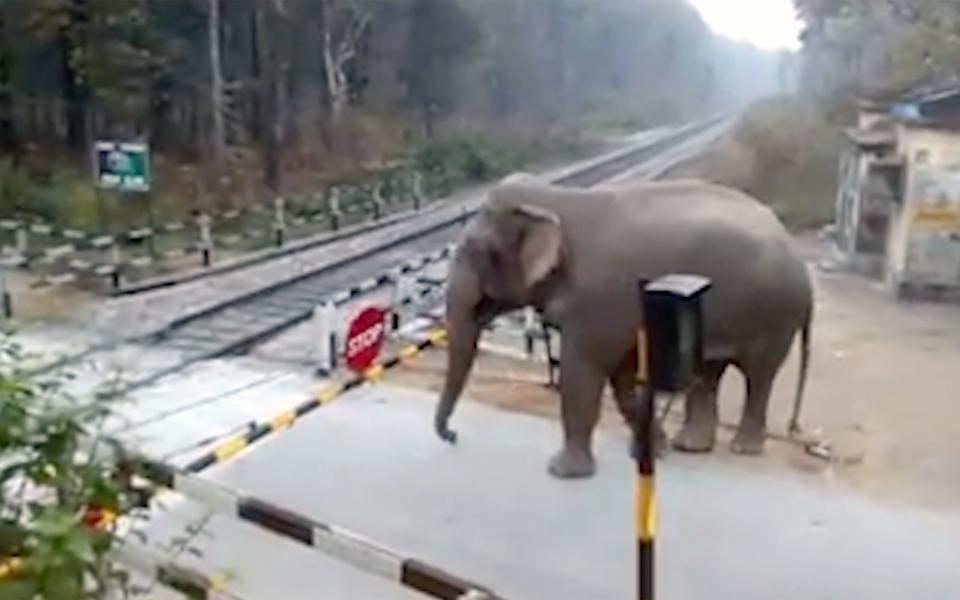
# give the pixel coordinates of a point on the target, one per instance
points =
(365, 337)
(122, 167)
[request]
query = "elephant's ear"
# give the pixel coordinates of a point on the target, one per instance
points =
(540, 246)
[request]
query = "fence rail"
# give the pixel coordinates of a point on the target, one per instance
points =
(60, 256)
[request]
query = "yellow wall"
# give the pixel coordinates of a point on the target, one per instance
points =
(942, 148)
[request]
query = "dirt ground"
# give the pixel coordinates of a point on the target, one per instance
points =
(882, 394)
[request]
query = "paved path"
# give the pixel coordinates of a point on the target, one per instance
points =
(487, 510)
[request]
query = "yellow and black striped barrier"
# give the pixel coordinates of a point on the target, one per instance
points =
(669, 360)
(233, 446)
(645, 499)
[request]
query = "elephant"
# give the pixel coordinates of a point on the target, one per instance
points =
(577, 255)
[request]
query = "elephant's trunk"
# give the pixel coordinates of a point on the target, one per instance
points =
(463, 334)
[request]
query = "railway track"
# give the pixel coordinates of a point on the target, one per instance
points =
(235, 326)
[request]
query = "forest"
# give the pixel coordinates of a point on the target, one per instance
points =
(242, 99)
(864, 47)
(786, 148)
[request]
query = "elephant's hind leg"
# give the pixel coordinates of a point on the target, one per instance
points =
(760, 371)
(581, 384)
(699, 432)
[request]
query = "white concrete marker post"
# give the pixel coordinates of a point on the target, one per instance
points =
(205, 238)
(325, 317)
(529, 329)
(334, 208)
(116, 259)
(417, 190)
(279, 221)
(403, 292)
(22, 240)
(377, 201)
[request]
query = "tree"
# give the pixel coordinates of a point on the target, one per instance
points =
(277, 79)
(66, 24)
(8, 135)
(855, 47)
(440, 34)
(218, 135)
(344, 25)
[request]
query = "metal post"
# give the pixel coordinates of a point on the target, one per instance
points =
(325, 317)
(646, 511)
(279, 221)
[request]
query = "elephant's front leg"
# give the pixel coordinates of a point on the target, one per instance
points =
(624, 385)
(699, 432)
(581, 384)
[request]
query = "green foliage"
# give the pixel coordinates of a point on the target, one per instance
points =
(56, 195)
(52, 472)
(441, 33)
(300, 79)
(860, 47)
(465, 159)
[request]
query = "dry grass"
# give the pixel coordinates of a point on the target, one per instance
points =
(782, 152)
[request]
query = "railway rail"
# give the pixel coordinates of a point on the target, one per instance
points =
(236, 325)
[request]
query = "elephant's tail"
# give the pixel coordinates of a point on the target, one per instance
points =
(794, 427)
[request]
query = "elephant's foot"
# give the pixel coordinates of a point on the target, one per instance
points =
(572, 463)
(748, 442)
(695, 438)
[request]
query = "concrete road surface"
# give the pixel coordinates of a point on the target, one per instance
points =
(488, 511)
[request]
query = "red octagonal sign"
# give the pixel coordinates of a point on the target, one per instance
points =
(365, 338)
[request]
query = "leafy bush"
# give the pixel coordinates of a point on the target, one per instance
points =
(51, 474)
(60, 196)
(465, 159)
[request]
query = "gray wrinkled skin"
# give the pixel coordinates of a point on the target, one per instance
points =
(577, 255)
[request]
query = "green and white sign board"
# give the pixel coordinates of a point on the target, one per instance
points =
(122, 166)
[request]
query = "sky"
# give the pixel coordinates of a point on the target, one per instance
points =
(769, 24)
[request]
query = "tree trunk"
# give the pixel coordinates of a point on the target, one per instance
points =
(8, 133)
(218, 141)
(256, 75)
(270, 90)
(335, 78)
(76, 93)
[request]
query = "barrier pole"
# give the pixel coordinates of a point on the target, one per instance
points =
(644, 440)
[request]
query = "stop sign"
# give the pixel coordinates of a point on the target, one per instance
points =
(365, 338)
